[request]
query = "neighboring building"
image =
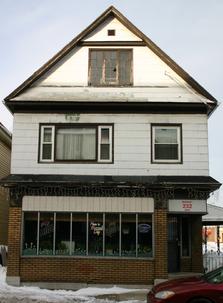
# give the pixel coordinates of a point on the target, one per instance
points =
(109, 177)
(5, 156)
(213, 228)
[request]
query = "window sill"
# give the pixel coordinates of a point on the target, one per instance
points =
(87, 257)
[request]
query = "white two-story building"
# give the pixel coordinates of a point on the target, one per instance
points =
(109, 176)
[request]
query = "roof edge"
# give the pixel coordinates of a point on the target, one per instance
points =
(113, 12)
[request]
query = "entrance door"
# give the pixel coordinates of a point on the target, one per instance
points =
(173, 244)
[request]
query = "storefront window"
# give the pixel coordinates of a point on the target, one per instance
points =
(62, 241)
(46, 233)
(95, 234)
(112, 235)
(30, 233)
(144, 235)
(79, 227)
(128, 235)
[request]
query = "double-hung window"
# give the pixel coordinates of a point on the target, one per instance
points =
(66, 142)
(47, 143)
(110, 67)
(166, 143)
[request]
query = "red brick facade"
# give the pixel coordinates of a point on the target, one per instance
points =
(100, 270)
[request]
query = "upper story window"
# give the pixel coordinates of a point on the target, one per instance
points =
(166, 143)
(47, 143)
(110, 67)
(65, 142)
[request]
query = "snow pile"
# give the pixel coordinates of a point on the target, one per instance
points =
(25, 294)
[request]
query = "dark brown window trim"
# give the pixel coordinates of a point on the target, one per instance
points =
(76, 125)
(112, 43)
(110, 85)
(111, 32)
(181, 143)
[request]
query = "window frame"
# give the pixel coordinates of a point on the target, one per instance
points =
(96, 126)
(41, 136)
(87, 255)
(109, 127)
(179, 142)
(117, 65)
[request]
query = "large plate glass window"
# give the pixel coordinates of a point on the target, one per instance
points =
(91, 234)
(62, 240)
(30, 226)
(95, 234)
(46, 233)
(128, 235)
(110, 67)
(166, 144)
(112, 234)
(79, 234)
(144, 236)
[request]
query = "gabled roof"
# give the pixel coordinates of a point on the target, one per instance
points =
(214, 216)
(5, 135)
(113, 12)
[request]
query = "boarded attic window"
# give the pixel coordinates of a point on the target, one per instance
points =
(110, 67)
(111, 32)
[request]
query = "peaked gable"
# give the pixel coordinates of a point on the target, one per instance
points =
(136, 36)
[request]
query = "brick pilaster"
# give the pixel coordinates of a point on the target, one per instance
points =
(14, 235)
(161, 252)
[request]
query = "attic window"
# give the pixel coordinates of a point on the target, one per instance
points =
(110, 67)
(111, 32)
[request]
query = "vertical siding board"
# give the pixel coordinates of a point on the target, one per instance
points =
(91, 204)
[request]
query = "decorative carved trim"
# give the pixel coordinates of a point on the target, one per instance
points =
(160, 196)
(17, 193)
(196, 194)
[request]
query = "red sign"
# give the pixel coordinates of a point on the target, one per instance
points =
(187, 205)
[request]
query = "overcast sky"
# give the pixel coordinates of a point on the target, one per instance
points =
(189, 31)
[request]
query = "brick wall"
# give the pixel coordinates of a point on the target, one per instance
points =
(160, 233)
(14, 233)
(76, 270)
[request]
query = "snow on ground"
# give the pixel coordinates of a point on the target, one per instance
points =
(25, 294)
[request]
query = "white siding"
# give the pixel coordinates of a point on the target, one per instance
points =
(88, 204)
(148, 69)
(121, 32)
(132, 145)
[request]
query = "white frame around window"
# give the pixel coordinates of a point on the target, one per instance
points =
(42, 142)
(179, 139)
(110, 143)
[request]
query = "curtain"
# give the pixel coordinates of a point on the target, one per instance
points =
(76, 144)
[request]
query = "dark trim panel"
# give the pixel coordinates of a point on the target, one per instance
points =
(107, 107)
(112, 43)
